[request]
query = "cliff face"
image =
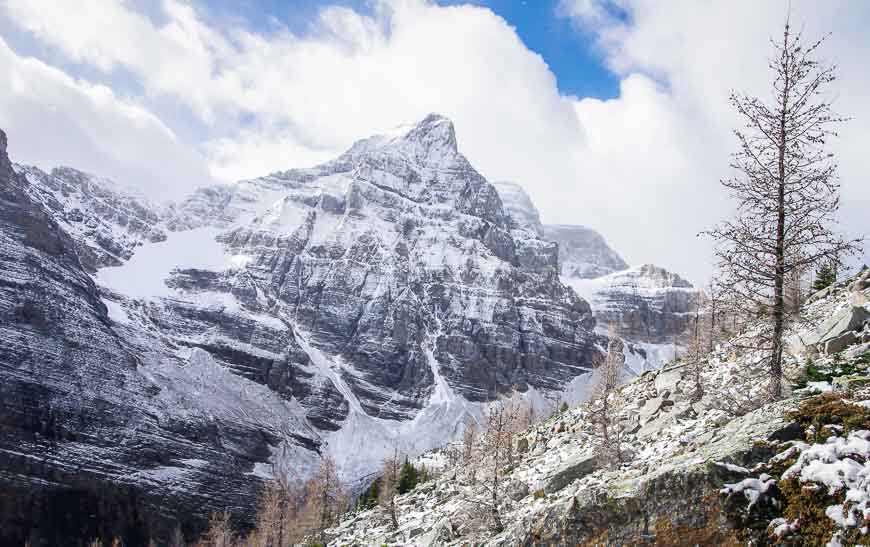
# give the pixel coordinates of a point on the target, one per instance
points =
(583, 252)
(384, 295)
(94, 440)
(645, 304)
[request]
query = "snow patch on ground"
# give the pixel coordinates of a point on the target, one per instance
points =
(145, 274)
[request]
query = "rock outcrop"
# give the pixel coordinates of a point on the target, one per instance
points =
(644, 304)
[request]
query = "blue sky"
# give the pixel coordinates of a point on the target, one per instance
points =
(569, 52)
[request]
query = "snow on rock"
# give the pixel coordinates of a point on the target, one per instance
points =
(644, 304)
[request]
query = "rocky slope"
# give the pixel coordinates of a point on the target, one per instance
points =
(699, 470)
(384, 297)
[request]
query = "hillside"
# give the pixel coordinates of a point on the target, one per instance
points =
(699, 470)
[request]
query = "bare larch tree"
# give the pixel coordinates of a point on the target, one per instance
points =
(389, 486)
(606, 403)
(326, 497)
(787, 193)
(496, 452)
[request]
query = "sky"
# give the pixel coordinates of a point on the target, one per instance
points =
(612, 113)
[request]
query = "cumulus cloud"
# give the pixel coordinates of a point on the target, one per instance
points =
(660, 148)
(52, 119)
(642, 168)
(355, 74)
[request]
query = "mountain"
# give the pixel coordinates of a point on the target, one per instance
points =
(103, 432)
(646, 305)
(160, 361)
(583, 252)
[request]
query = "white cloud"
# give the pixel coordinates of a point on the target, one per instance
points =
(665, 148)
(52, 119)
(353, 75)
(642, 168)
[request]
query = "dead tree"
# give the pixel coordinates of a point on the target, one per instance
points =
(495, 454)
(389, 487)
(787, 195)
(220, 531)
(605, 405)
(470, 447)
(326, 497)
(701, 343)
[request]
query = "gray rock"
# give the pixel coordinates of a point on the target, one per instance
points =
(440, 535)
(655, 425)
(851, 318)
(683, 410)
(840, 343)
(667, 379)
(653, 407)
(570, 472)
(516, 490)
(862, 282)
(522, 445)
(848, 383)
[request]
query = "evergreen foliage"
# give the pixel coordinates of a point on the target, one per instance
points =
(825, 277)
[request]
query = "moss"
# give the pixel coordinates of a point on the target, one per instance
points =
(539, 494)
(807, 503)
(829, 409)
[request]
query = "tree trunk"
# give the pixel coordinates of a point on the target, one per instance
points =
(779, 280)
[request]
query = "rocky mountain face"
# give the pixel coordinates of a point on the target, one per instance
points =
(159, 361)
(719, 465)
(583, 252)
(104, 433)
(646, 304)
(106, 223)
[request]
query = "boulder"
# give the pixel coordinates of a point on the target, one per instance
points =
(848, 383)
(570, 472)
(683, 410)
(440, 534)
(822, 294)
(840, 343)
(516, 490)
(630, 426)
(863, 281)
(667, 379)
(789, 432)
(851, 318)
(652, 407)
(654, 426)
(522, 445)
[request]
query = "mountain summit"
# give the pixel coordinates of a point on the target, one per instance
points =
(379, 298)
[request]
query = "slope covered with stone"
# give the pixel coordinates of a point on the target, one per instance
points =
(725, 467)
